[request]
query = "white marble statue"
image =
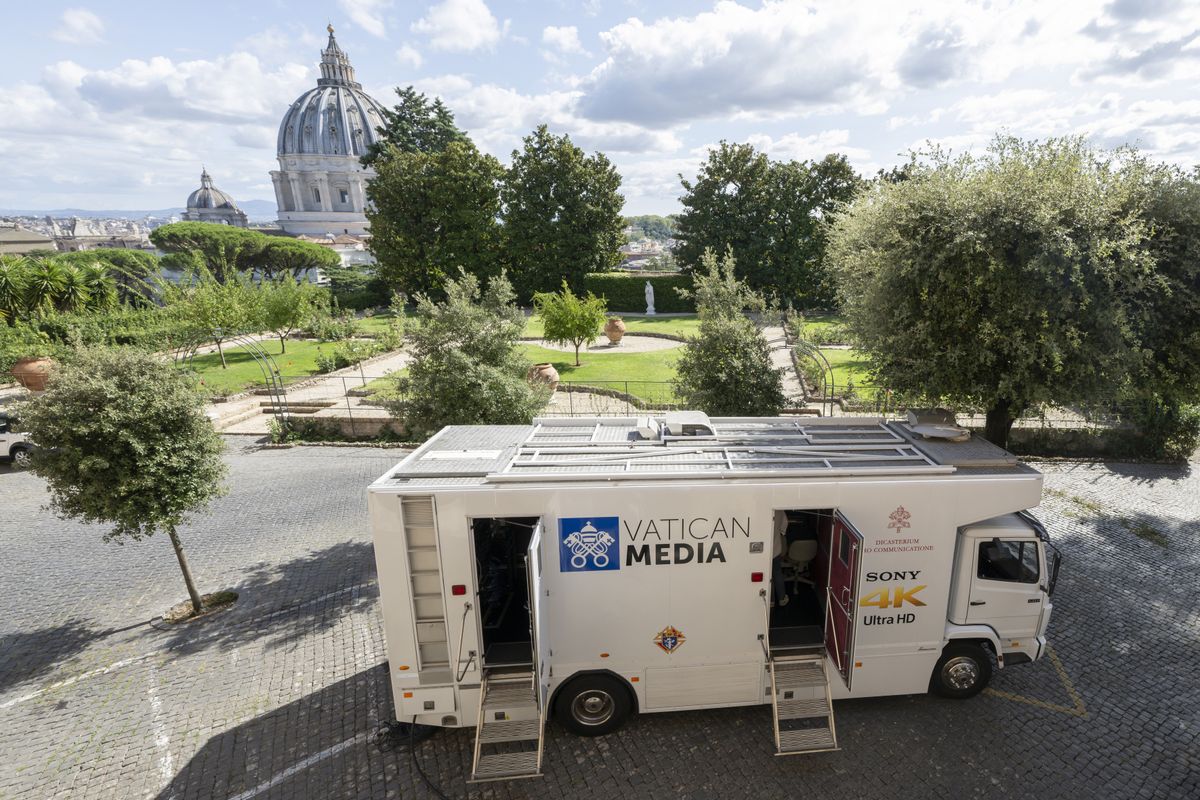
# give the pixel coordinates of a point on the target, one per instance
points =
(649, 299)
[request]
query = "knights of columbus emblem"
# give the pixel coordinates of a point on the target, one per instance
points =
(669, 639)
(899, 519)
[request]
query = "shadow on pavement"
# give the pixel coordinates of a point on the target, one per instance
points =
(322, 745)
(286, 602)
(27, 655)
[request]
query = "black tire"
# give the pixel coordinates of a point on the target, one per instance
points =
(963, 671)
(20, 456)
(593, 705)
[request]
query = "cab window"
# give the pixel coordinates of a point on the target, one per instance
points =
(1011, 560)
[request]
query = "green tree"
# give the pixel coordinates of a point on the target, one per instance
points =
(562, 214)
(134, 272)
(466, 367)
(726, 369)
(414, 125)
(124, 441)
(568, 318)
(289, 304)
(209, 311)
(225, 250)
(999, 281)
(651, 226)
(283, 256)
(772, 214)
(432, 213)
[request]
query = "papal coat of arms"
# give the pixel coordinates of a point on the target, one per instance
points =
(899, 519)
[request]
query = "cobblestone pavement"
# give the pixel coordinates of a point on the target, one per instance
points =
(277, 697)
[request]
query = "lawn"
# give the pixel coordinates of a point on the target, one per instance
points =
(298, 362)
(646, 375)
(849, 365)
(688, 325)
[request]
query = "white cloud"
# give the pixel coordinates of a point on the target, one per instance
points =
(564, 39)
(460, 26)
(367, 14)
(409, 56)
(814, 147)
(79, 26)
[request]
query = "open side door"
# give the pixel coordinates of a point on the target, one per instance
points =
(512, 700)
(537, 594)
(845, 551)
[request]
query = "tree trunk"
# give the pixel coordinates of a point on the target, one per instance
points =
(999, 422)
(577, 354)
(282, 344)
(197, 606)
(222, 352)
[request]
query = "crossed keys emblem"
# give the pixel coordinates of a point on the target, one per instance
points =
(587, 542)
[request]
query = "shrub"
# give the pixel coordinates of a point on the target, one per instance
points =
(346, 354)
(466, 368)
(727, 370)
(1166, 430)
(624, 291)
(328, 328)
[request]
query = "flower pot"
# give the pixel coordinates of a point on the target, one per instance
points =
(33, 372)
(614, 329)
(543, 373)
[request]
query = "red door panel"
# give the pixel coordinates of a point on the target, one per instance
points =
(845, 547)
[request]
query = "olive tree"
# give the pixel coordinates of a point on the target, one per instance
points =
(998, 281)
(123, 439)
(726, 370)
(289, 304)
(568, 318)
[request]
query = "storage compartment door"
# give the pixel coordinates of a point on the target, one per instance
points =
(540, 646)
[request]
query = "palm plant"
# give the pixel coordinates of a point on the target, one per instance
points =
(13, 279)
(73, 293)
(101, 286)
(45, 280)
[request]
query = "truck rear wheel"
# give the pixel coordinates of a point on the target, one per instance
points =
(20, 457)
(593, 705)
(963, 671)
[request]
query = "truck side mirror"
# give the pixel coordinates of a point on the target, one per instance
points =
(1057, 562)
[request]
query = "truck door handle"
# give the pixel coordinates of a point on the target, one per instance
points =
(978, 602)
(1034, 600)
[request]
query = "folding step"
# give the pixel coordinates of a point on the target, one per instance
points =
(800, 696)
(510, 731)
(510, 728)
(803, 709)
(806, 740)
(501, 766)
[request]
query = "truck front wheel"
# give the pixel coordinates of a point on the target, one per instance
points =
(593, 705)
(963, 671)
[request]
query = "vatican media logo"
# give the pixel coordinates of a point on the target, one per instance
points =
(589, 544)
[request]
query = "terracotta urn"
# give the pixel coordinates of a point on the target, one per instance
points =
(32, 372)
(614, 329)
(543, 373)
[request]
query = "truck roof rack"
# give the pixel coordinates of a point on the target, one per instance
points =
(557, 449)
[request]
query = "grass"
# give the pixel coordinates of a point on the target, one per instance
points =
(614, 370)
(676, 326)
(300, 361)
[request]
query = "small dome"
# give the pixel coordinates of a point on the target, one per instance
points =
(337, 117)
(209, 196)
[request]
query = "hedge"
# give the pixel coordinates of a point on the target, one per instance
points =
(626, 291)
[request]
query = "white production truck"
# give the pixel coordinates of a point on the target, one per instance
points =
(594, 568)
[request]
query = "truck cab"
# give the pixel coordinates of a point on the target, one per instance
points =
(14, 445)
(1000, 593)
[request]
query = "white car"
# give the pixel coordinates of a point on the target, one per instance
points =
(14, 446)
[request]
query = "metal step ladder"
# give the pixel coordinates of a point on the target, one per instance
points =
(425, 573)
(508, 736)
(803, 711)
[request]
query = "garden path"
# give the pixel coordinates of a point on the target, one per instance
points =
(629, 344)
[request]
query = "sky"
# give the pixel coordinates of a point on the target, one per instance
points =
(117, 105)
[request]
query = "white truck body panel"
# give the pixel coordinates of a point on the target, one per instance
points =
(690, 554)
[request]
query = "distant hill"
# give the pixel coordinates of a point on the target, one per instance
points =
(257, 210)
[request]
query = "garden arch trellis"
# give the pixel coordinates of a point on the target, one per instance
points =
(272, 380)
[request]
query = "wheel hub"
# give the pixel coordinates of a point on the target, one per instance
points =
(593, 707)
(961, 673)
